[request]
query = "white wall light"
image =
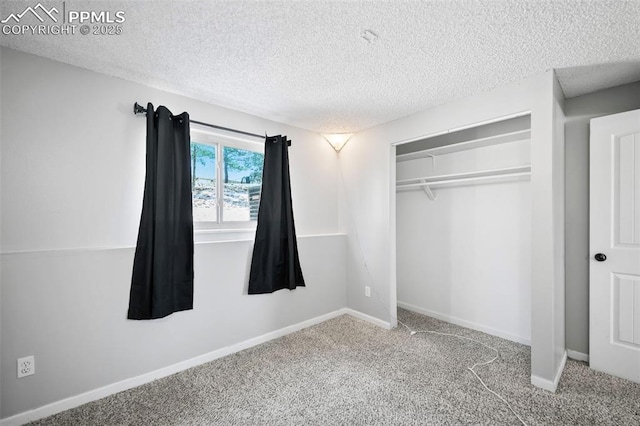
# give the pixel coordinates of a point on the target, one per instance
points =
(337, 140)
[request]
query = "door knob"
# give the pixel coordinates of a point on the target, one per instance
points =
(600, 257)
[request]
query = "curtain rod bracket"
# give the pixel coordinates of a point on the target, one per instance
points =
(137, 109)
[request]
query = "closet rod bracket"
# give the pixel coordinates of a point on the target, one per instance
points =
(433, 160)
(427, 190)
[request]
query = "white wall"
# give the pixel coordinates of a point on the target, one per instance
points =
(73, 161)
(371, 178)
(465, 257)
(579, 111)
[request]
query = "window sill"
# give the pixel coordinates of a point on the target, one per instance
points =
(226, 234)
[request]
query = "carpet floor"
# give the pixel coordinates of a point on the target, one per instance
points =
(348, 372)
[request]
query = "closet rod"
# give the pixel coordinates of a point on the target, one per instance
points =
(479, 173)
(137, 109)
(454, 181)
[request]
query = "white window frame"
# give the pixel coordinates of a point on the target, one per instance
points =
(220, 140)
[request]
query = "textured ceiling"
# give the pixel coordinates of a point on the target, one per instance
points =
(306, 64)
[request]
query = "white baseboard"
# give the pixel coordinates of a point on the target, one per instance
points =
(368, 318)
(77, 400)
(465, 323)
(578, 356)
(549, 385)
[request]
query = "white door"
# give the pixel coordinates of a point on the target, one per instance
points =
(614, 289)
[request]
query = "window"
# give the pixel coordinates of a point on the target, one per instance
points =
(226, 180)
(204, 186)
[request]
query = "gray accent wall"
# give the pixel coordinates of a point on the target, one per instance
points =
(578, 112)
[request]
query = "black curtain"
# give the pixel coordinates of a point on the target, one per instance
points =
(275, 264)
(162, 281)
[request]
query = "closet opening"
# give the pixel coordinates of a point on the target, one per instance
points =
(463, 227)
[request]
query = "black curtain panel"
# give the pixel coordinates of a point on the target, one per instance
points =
(275, 264)
(162, 281)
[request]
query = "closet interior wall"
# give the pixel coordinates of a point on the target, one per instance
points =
(463, 206)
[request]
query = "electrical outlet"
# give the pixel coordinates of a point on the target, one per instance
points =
(367, 291)
(26, 366)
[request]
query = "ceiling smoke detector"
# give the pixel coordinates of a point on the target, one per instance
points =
(369, 36)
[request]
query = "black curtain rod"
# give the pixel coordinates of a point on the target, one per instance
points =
(137, 109)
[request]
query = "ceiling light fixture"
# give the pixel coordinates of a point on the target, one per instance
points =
(337, 140)
(369, 36)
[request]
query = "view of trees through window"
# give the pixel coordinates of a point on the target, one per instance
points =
(241, 179)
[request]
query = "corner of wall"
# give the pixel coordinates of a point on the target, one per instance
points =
(559, 198)
(550, 385)
(366, 219)
(343, 222)
(393, 284)
(343, 205)
(558, 93)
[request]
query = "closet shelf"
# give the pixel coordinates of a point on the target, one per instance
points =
(470, 178)
(471, 144)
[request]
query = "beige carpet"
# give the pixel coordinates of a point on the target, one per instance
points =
(348, 372)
